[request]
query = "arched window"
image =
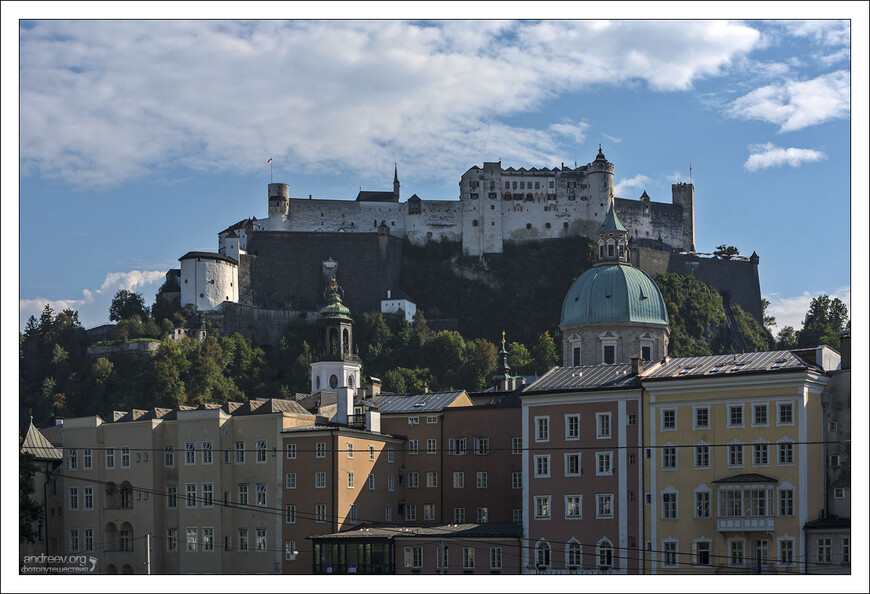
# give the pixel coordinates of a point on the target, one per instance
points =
(474, 223)
(542, 554)
(333, 341)
(600, 250)
(573, 554)
(605, 554)
(345, 341)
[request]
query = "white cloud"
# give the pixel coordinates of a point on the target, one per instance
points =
(93, 307)
(823, 32)
(576, 132)
(638, 182)
(103, 102)
(797, 104)
(790, 311)
(764, 156)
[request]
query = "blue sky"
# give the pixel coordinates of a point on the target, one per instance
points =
(140, 140)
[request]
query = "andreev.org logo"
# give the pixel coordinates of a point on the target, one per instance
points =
(43, 563)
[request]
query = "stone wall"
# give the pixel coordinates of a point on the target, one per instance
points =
(263, 326)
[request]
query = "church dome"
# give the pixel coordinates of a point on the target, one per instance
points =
(614, 293)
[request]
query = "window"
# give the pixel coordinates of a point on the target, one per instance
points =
(208, 540)
(243, 494)
(291, 451)
(240, 452)
(482, 515)
(413, 446)
(669, 458)
(189, 453)
(702, 456)
(243, 539)
(413, 480)
(171, 539)
(702, 553)
(171, 496)
(542, 466)
(481, 446)
(605, 555)
(371, 482)
(350, 480)
(458, 515)
(431, 446)
(824, 550)
(290, 481)
(735, 416)
(388, 513)
(572, 464)
(735, 454)
(371, 453)
(542, 554)
(575, 356)
(391, 455)
(320, 450)
(320, 480)
(702, 418)
(572, 426)
(87, 459)
(432, 420)
(702, 504)
(482, 480)
(261, 451)
(110, 458)
(168, 457)
(261, 493)
(350, 450)
(542, 507)
(74, 540)
(207, 457)
(457, 446)
(669, 420)
(839, 492)
(609, 349)
(73, 459)
(431, 479)
(835, 460)
(846, 551)
(573, 507)
(736, 553)
(516, 480)
(411, 513)
(88, 494)
(786, 453)
(261, 539)
(352, 514)
(669, 506)
(603, 463)
(786, 502)
(759, 454)
(192, 539)
(517, 516)
(785, 414)
(542, 428)
(391, 483)
(413, 420)
(190, 495)
(759, 415)
(429, 512)
(289, 550)
(632, 458)
(631, 419)
(414, 557)
(126, 540)
(602, 422)
(320, 512)
(467, 557)
(669, 558)
(290, 514)
(786, 552)
(495, 558)
(604, 506)
(208, 494)
(458, 480)
(517, 445)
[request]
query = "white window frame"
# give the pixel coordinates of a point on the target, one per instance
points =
(290, 480)
(780, 541)
(570, 433)
(371, 481)
(319, 513)
(543, 510)
(695, 425)
(431, 480)
(664, 414)
(789, 405)
(413, 446)
(458, 515)
(569, 500)
(600, 499)
(495, 558)
(482, 480)
(349, 450)
(391, 455)
(458, 480)
(290, 514)
(87, 459)
(467, 558)
(696, 550)
(542, 429)
(240, 452)
(516, 445)
(413, 480)
(189, 453)
(785, 500)
(87, 498)
(741, 451)
(599, 418)
(758, 406)
(516, 480)
(126, 457)
(728, 420)
(785, 446)
(207, 494)
(670, 457)
(668, 508)
(320, 449)
(350, 480)
(703, 490)
(604, 459)
(110, 458)
(431, 446)
(761, 447)
(568, 456)
(290, 550)
(542, 466)
(291, 451)
(702, 454)
(319, 480)
(262, 447)
(667, 545)
(414, 557)
(481, 446)
(208, 539)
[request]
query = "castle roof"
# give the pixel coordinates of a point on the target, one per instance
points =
(614, 293)
(240, 225)
(366, 196)
(207, 256)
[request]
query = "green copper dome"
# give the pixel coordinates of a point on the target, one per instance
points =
(335, 309)
(614, 293)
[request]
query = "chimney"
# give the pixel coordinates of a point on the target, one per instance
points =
(59, 421)
(425, 388)
(344, 405)
(373, 421)
(388, 293)
(846, 348)
(636, 365)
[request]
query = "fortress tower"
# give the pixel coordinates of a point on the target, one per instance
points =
(335, 366)
(279, 205)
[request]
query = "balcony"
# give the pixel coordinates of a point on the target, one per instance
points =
(745, 524)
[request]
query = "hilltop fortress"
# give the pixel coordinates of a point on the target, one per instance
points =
(269, 271)
(495, 206)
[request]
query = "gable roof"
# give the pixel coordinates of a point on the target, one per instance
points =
(725, 365)
(585, 377)
(38, 446)
(416, 403)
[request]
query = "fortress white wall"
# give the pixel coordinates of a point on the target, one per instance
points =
(206, 282)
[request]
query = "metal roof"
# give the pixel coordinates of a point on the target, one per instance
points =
(722, 365)
(38, 446)
(611, 221)
(585, 377)
(414, 403)
(390, 531)
(614, 293)
(746, 478)
(207, 256)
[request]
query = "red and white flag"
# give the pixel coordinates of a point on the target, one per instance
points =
(269, 161)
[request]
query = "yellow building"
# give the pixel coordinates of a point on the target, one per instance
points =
(733, 462)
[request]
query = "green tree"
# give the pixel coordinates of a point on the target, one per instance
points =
(479, 362)
(519, 358)
(402, 380)
(545, 356)
(696, 315)
(786, 339)
(755, 336)
(823, 322)
(726, 251)
(29, 510)
(126, 305)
